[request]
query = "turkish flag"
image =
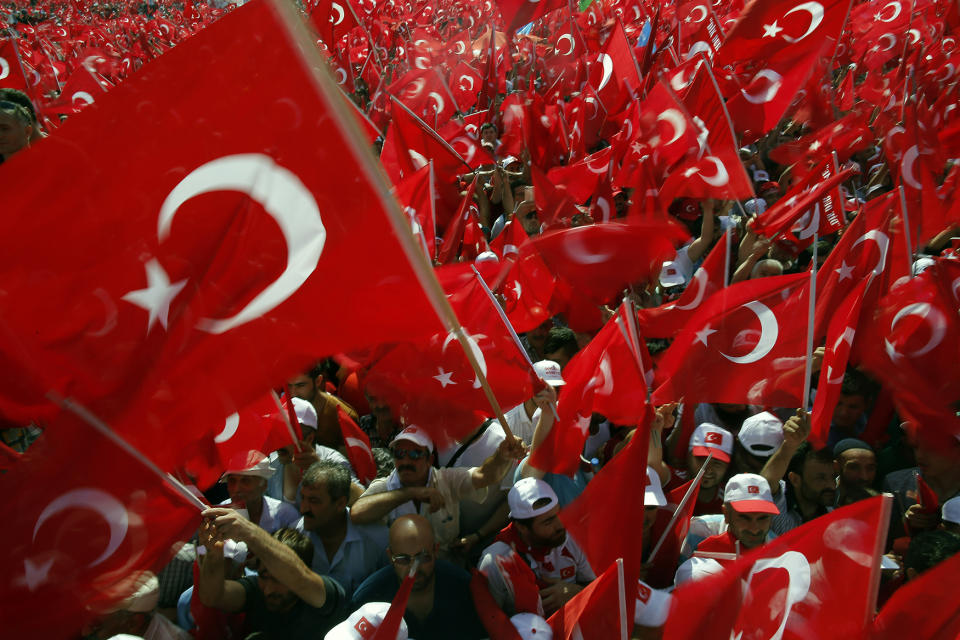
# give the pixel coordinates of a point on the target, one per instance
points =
(794, 587)
(529, 285)
(453, 233)
(259, 427)
(493, 618)
(663, 321)
(76, 546)
(333, 19)
(207, 247)
(614, 495)
(846, 136)
(11, 74)
(416, 195)
(358, 448)
(607, 373)
(863, 249)
(465, 85)
(664, 566)
(922, 608)
(840, 337)
(744, 346)
(517, 13)
(599, 260)
(594, 613)
(390, 625)
(410, 143)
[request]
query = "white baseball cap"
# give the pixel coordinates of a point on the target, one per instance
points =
(950, 512)
(416, 435)
(652, 606)
(525, 493)
(709, 438)
(362, 624)
(653, 495)
(530, 626)
(250, 463)
(696, 568)
(761, 434)
(550, 372)
(306, 414)
(749, 493)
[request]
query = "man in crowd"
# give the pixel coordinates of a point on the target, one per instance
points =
(759, 437)
(343, 550)
(850, 415)
(522, 419)
(561, 345)
(810, 490)
(379, 425)
(855, 465)
(305, 387)
(247, 487)
(415, 486)
(537, 535)
(928, 549)
(15, 129)
(440, 605)
(706, 439)
(286, 599)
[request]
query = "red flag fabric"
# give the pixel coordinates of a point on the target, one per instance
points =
(391, 622)
(802, 198)
(454, 232)
(594, 613)
(796, 585)
(664, 566)
(416, 195)
(840, 337)
(922, 608)
(206, 248)
(745, 346)
(77, 546)
(606, 373)
(517, 13)
(615, 494)
(663, 321)
(493, 618)
(358, 448)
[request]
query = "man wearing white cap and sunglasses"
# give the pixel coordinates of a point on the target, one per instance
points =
(539, 537)
(415, 486)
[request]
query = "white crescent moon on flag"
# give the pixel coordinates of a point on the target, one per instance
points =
(607, 63)
(569, 38)
(769, 93)
(4, 68)
(438, 99)
(462, 83)
(897, 8)
(604, 207)
(700, 277)
(477, 351)
(769, 332)
(421, 62)
(798, 582)
(925, 311)
(675, 119)
(108, 507)
(466, 149)
(461, 47)
(415, 88)
(915, 33)
(906, 167)
(720, 178)
(893, 41)
(336, 7)
(579, 253)
(815, 9)
(813, 218)
(284, 198)
(593, 103)
(697, 47)
(110, 322)
(341, 76)
(419, 161)
(82, 96)
(883, 243)
(229, 428)
(703, 13)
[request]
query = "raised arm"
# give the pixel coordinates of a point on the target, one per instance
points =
(795, 431)
(371, 508)
(496, 466)
(213, 588)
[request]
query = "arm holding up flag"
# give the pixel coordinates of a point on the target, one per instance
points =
(795, 432)
(496, 466)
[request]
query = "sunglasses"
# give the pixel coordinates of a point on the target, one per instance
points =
(400, 454)
(404, 559)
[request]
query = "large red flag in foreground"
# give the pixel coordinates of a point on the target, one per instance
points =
(795, 587)
(746, 344)
(193, 257)
(594, 613)
(85, 518)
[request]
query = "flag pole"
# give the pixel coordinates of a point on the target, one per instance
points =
(811, 309)
(513, 332)
(622, 593)
(906, 229)
(680, 507)
(84, 414)
(286, 416)
(878, 546)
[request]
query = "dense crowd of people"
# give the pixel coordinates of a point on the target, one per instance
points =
(468, 530)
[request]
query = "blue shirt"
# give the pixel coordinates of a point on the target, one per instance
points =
(362, 552)
(453, 614)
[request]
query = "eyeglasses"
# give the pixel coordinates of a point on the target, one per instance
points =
(404, 559)
(413, 454)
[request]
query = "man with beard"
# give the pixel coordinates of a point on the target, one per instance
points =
(706, 439)
(810, 489)
(285, 599)
(538, 536)
(440, 604)
(855, 465)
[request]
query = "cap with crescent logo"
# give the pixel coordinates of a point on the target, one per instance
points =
(530, 626)
(761, 434)
(306, 414)
(709, 438)
(362, 624)
(749, 493)
(416, 435)
(652, 606)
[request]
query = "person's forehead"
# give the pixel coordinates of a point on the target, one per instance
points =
(407, 445)
(311, 491)
(858, 455)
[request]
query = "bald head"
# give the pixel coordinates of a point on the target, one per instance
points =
(411, 531)
(766, 268)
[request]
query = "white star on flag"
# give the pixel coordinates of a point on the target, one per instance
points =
(158, 295)
(444, 377)
(771, 30)
(703, 334)
(845, 271)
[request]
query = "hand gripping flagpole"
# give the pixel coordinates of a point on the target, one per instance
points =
(811, 308)
(680, 507)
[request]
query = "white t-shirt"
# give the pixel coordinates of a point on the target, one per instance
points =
(520, 425)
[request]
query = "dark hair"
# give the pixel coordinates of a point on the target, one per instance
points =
(332, 474)
(807, 452)
(297, 541)
(857, 384)
(528, 522)
(929, 548)
(19, 97)
(561, 339)
(487, 125)
(384, 459)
